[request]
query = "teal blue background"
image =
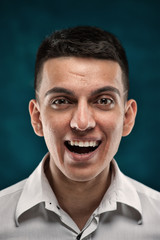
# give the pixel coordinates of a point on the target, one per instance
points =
(24, 24)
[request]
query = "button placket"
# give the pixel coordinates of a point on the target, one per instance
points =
(90, 227)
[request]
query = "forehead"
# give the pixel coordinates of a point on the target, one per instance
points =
(80, 74)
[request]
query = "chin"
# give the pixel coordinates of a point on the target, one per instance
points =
(82, 175)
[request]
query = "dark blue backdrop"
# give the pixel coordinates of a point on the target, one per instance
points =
(24, 24)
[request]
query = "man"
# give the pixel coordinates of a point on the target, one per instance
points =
(82, 111)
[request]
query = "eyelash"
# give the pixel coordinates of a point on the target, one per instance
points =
(61, 99)
(105, 99)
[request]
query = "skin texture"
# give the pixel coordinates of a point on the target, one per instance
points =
(81, 99)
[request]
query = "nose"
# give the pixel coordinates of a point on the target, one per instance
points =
(82, 118)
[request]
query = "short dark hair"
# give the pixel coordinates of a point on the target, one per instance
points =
(82, 41)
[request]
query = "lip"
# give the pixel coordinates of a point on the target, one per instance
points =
(82, 157)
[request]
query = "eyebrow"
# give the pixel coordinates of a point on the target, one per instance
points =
(106, 89)
(59, 90)
(95, 92)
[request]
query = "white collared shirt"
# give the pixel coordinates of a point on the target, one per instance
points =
(129, 210)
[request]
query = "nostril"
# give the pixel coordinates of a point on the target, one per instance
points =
(82, 119)
(83, 127)
(81, 130)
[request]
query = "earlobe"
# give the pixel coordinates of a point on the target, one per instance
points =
(129, 118)
(35, 117)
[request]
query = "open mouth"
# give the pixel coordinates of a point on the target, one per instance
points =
(82, 147)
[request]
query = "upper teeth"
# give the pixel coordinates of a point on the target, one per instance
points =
(84, 144)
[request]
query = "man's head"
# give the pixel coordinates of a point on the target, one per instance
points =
(81, 107)
(85, 42)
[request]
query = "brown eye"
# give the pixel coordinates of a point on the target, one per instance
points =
(105, 101)
(60, 103)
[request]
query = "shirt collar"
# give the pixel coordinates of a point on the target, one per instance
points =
(121, 190)
(37, 189)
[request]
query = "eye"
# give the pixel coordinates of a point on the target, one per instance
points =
(60, 103)
(105, 103)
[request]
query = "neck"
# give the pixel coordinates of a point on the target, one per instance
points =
(78, 199)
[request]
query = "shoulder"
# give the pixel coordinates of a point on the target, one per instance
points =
(149, 198)
(12, 191)
(149, 201)
(9, 198)
(145, 190)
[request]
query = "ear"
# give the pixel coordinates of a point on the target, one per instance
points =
(129, 117)
(35, 117)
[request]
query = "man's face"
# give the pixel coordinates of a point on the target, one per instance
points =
(81, 113)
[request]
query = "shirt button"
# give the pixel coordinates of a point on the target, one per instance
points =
(58, 207)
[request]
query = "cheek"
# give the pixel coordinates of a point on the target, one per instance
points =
(112, 130)
(54, 129)
(54, 123)
(112, 123)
